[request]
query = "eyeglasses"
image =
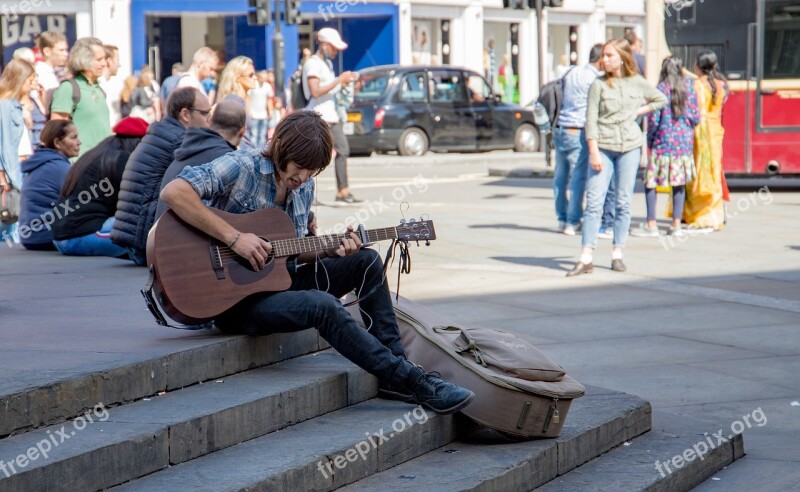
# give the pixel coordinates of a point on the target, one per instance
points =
(204, 112)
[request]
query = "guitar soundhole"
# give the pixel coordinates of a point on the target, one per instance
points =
(241, 272)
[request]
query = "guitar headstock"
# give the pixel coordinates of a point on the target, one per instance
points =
(416, 230)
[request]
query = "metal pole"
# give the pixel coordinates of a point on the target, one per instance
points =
(540, 36)
(278, 48)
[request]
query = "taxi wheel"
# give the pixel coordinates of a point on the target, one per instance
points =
(526, 139)
(413, 141)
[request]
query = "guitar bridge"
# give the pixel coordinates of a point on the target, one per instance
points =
(216, 261)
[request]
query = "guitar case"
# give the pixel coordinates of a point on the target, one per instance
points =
(518, 390)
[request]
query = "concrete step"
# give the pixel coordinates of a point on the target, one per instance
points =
(666, 459)
(320, 454)
(107, 447)
(487, 461)
(62, 398)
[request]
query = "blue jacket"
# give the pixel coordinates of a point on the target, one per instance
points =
(141, 183)
(44, 174)
(200, 145)
(11, 127)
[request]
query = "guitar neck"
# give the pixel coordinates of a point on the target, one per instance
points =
(290, 247)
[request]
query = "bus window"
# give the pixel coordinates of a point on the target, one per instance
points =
(781, 40)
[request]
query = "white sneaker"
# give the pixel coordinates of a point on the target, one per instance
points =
(569, 230)
(644, 231)
(605, 234)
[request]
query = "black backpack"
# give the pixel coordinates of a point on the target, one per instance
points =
(551, 97)
(299, 100)
(76, 94)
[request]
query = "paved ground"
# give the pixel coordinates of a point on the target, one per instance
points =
(705, 328)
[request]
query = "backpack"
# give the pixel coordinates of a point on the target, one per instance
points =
(299, 100)
(76, 93)
(169, 85)
(551, 96)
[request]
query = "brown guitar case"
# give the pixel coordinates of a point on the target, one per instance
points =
(518, 390)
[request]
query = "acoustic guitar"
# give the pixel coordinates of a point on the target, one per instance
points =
(194, 277)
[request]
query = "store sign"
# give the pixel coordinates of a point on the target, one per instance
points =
(20, 31)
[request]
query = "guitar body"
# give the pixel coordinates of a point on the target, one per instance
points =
(197, 278)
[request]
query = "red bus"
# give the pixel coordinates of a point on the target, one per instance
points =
(758, 46)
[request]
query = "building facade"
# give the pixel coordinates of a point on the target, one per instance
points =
(477, 34)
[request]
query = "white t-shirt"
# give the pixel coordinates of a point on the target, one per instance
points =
(189, 80)
(47, 76)
(259, 96)
(113, 89)
(324, 105)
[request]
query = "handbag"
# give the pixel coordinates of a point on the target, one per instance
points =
(9, 206)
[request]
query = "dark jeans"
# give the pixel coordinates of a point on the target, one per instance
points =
(342, 148)
(376, 350)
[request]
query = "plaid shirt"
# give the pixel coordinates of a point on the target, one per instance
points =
(243, 181)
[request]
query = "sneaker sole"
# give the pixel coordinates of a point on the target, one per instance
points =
(394, 395)
(455, 408)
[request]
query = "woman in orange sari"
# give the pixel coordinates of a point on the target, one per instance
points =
(705, 194)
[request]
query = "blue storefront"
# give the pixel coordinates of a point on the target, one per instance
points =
(159, 32)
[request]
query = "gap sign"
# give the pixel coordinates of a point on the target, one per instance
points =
(21, 30)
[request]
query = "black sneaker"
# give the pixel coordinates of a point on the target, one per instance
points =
(428, 390)
(348, 199)
(389, 392)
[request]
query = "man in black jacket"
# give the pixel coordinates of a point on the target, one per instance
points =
(202, 145)
(138, 195)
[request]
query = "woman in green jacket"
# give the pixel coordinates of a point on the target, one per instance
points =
(615, 145)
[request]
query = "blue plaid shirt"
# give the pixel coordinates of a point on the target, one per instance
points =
(244, 181)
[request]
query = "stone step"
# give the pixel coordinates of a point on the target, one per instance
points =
(36, 404)
(107, 447)
(320, 454)
(598, 422)
(323, 453)
(666, 459)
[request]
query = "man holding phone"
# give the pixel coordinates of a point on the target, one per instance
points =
(320, 85)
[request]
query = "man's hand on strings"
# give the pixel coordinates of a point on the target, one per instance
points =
(350, 244)
(253, 249)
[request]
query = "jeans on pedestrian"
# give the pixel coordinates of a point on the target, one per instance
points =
(621, 168)
(313, 301)
(572, 160)
(258, 133)
(342, 148)
(94, 244)
(607, 223)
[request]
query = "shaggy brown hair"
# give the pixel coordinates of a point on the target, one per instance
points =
(303, 138)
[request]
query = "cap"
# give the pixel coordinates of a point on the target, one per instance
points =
(330, 35)
(131, 126)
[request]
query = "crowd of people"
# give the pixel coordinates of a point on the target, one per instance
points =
(195, 152)
(95, 120)
(610, 116)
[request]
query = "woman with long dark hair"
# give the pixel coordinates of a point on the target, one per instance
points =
(45, 172)
(90, 191)
(670, 138)
(705, 194)
(615, 142)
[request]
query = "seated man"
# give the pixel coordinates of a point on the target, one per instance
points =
(247, 180)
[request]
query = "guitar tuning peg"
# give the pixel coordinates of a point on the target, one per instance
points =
(402, 221)
(412, 220)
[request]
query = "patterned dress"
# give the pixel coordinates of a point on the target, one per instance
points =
(671, 141)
